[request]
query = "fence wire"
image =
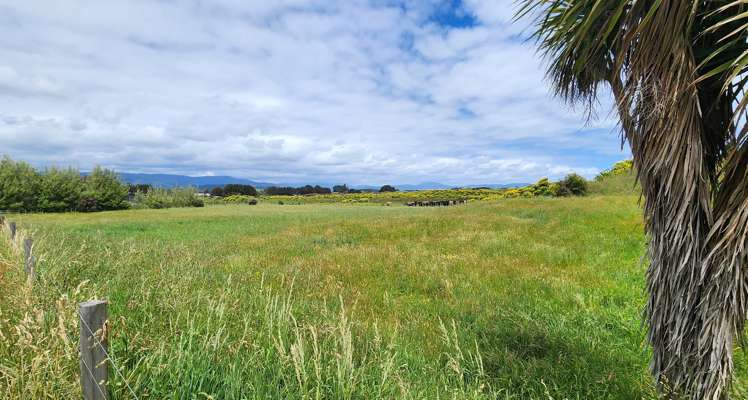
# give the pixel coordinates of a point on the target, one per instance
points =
(88, 328)
(106, 353)
(94, 378)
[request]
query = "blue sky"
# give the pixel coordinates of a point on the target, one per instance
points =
(362, 92)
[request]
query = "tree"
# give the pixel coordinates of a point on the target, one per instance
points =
(290, 191)
(60, 190)
(387, 188)
(280, 191)
(217, 191)
(103, 191)
(140, 188)
(246, 190)
(19, 186)
(572, 185)
(677, 71)
(340, 188)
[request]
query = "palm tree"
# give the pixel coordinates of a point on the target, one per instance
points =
(677, 70)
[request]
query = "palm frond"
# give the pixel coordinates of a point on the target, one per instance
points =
(678, 72)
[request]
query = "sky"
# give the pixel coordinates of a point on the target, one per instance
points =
(348, 91)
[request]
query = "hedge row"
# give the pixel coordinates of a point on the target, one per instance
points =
(24, 189)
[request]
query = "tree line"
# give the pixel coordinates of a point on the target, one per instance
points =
(249, 190)
(233, 189)
(289, 191)
(25, 189)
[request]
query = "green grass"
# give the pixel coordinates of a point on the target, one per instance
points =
(515, 299)
(616, 185)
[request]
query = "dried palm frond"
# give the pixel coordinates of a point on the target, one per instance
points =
(677, 70)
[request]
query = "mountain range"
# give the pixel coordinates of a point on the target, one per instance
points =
(207, 182)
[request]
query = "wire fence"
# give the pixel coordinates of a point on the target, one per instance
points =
(12, 236)
(108, 357)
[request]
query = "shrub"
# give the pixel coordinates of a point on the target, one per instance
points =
(340, 188)
(316, 189)
(387, 188)
(543, 187)
(168, 198)
(87, 204)
(290, 191)
(240, 199)
(140, 187)
(620, 168)
(104, 186)
(572, 185)
(60, 190)
(19, 186)
(280, 191)
(247, 190)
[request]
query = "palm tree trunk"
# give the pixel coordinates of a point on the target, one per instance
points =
(674, 176)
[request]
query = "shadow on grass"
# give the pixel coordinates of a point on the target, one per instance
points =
(534, 361)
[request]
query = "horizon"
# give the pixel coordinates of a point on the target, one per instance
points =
(260, 184)
(400, 92)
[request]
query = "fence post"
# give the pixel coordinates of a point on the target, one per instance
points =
(12, 227)
(28, 245)
(93, 359)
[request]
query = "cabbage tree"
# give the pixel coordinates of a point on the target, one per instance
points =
(677, 71)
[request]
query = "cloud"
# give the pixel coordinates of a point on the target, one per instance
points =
(334, 91)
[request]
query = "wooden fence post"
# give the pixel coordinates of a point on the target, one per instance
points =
(93, 358)
(28, 245)
(12, 227)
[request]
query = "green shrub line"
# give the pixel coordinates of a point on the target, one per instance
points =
(624, 167)
(158, 198)
(25, 189)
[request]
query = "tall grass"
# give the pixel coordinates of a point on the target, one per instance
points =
(158, 198)
(240, 342)
(517, 299)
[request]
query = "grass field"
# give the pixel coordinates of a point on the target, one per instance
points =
(511, 299)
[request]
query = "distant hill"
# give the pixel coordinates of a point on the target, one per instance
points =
(207, 182)
(202, 182)
(436, 185)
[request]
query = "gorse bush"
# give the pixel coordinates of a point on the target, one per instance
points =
(619, 179)
(240, 199)
(572, 185)
(543, 187)
(290, 191)
(620, 168)
(24, 189)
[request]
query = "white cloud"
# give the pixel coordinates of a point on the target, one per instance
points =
(333, 91)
